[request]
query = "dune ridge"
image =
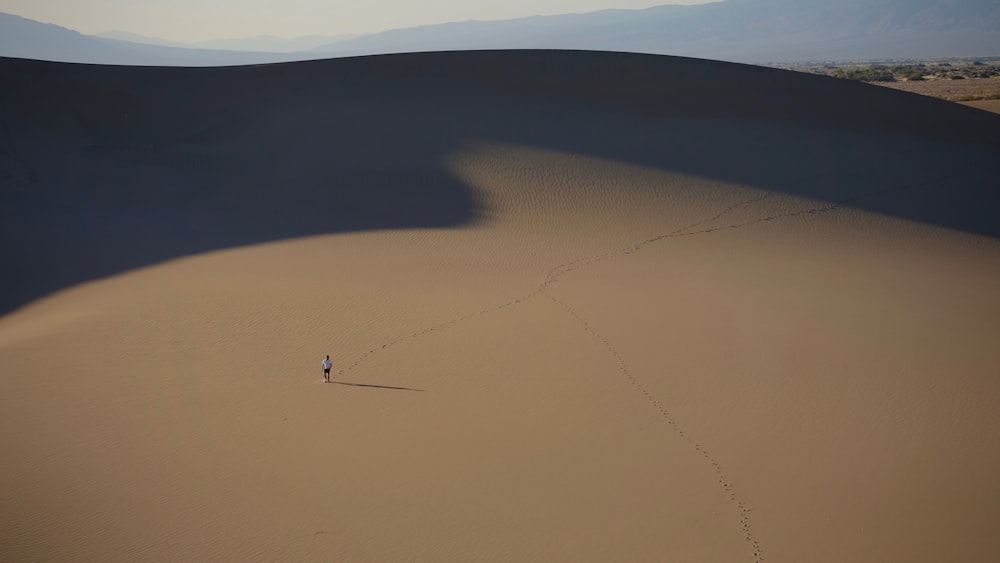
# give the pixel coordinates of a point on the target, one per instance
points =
(115, 128)
(576, 311)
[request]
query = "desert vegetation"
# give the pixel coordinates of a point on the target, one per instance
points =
(957, 80)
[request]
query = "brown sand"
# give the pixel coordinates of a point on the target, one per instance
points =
(580, 309)
(953, 90)
(988, 105)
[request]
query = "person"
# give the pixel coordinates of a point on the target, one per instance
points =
(327, 364)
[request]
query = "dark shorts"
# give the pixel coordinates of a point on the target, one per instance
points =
(326, 370)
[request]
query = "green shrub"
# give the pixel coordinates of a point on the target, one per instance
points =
(871, 73)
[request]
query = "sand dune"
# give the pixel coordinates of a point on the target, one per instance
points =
(581, 306)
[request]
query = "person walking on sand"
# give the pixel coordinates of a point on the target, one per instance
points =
(327, 364)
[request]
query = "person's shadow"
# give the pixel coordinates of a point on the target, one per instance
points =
(375, 386)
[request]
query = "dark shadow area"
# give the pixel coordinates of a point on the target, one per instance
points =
(107, 169)
(376, 386)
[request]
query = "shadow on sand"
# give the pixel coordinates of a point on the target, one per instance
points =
(106, 169)
(376, 386)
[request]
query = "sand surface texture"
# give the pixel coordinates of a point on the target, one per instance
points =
(581, 307)
(986, 105)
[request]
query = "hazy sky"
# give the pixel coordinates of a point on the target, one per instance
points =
(195, 20)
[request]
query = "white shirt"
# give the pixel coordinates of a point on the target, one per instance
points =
(327, 363)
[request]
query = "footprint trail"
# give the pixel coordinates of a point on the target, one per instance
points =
(701, 227)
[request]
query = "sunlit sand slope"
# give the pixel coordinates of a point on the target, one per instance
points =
(581, 307)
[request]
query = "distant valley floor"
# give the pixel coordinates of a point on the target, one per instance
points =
(975, 83)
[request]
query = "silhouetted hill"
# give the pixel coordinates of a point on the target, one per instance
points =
(136, 38)
(734, 30)
(270, 43)
(257, 43)
(28, 39)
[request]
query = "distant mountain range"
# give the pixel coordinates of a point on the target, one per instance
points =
(259, 43)
(752, 31)
(28, 39)
(734, 30)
